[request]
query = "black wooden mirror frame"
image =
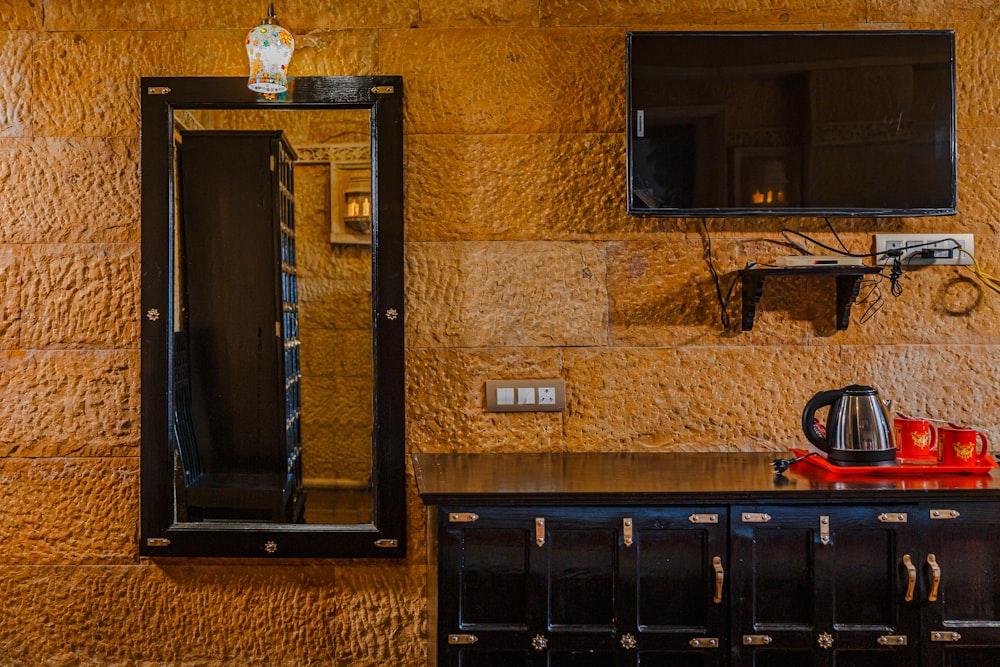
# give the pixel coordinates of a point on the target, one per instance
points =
(159, 534)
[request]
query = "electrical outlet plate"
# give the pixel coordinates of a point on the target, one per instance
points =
(525, 395)
(916, 246)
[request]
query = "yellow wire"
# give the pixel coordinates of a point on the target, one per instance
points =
(990, 281)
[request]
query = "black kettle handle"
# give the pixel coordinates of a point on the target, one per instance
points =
(818, 401)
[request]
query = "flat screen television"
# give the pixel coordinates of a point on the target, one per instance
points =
(838, 124)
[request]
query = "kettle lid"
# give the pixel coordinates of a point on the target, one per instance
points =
(859, 390)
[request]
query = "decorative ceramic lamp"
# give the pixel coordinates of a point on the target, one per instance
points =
(269, 48)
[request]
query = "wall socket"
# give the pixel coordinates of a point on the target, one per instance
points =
(525, 395)
(925, 249)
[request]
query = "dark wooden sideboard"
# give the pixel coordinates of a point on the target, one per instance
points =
(706, 559)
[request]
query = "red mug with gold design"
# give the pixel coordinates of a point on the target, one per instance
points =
(916, 440)
(957, 446)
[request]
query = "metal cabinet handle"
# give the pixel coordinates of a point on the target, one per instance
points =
(911, 577)
(720, 577)
(935, 577)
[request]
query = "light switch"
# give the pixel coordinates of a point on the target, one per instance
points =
(525, 395)
(505, 396)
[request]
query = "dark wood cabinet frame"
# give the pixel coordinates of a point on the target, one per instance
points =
(160, 534)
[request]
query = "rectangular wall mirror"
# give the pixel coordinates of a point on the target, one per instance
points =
(272, 345)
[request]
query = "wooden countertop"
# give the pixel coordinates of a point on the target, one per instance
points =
(603, 478)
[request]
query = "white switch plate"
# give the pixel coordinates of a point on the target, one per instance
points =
(525, 395)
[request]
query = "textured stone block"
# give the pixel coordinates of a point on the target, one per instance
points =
(934, 11)
(950, 382)
(337, 452)
(10, 298)
(976, 69)
(514, 186)
(699, 12)
(445, 401)
(509, 80)
(61, 510)
(89, 88)
(657, 399)
(15, 85)
(353, 406)
(69, 403)
(70, 190)
(494, 13)
(979, 179)
(337, 352)
(384, 597)
(79, 295)
(500, 293)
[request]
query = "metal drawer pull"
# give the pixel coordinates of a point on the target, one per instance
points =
(757, 640)
(935, 577)
(720, 577)
(911, 577)
(704, 642)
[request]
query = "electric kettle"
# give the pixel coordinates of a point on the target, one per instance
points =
(857, 427)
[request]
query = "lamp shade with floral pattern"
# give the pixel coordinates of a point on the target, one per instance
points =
(269, 48)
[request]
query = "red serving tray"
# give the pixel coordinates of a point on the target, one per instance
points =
(904, 467)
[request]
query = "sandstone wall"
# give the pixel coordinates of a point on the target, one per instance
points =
(520, 263)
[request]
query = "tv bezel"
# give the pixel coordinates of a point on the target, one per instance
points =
(792, 211)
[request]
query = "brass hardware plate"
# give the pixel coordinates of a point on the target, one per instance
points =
(824, 529)
(945, 514)
(462, 517)
(935, 577)
(157, 90)
(704, 642)
(720, 578)
(892, 517)
(627, 531)
(704, 518)
(757, 640)
(383, 90)
(462, 640)
(945, 636)
(387, 543)
(157, 542)
(756, 517)
(892, 640)
(540, 531)
(911, 577)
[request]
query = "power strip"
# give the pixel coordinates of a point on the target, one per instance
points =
(925, 249)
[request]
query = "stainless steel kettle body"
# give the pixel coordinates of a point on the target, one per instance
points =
(857, 427)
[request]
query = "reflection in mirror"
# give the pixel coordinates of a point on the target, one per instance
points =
(273, 417)
(300, 450)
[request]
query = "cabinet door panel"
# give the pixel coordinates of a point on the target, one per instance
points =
(582, 659)
(967, 656)
(476, 658)
(679, 659)
(494, 578)
(782, 584)
(581, 573)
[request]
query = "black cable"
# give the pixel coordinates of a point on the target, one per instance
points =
(723, 300)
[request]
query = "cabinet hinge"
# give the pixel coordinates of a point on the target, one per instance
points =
(387, 543)
(824, 529)
(704, 518)
(892, 640)
(462, 639)
(157, 90)
(157, 542)
(383, 90)
(945, 636)
(756, 517)
(462, 517)
(540, 531)
(892, 517)
(945, 514)
(627, 531)
(757, 640)
(704, 642)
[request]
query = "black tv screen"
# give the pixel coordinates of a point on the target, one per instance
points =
(791, 123)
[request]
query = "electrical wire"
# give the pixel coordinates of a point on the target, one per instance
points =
(723, 300)
(989, 280)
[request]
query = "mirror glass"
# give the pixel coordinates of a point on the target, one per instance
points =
(272, 242)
